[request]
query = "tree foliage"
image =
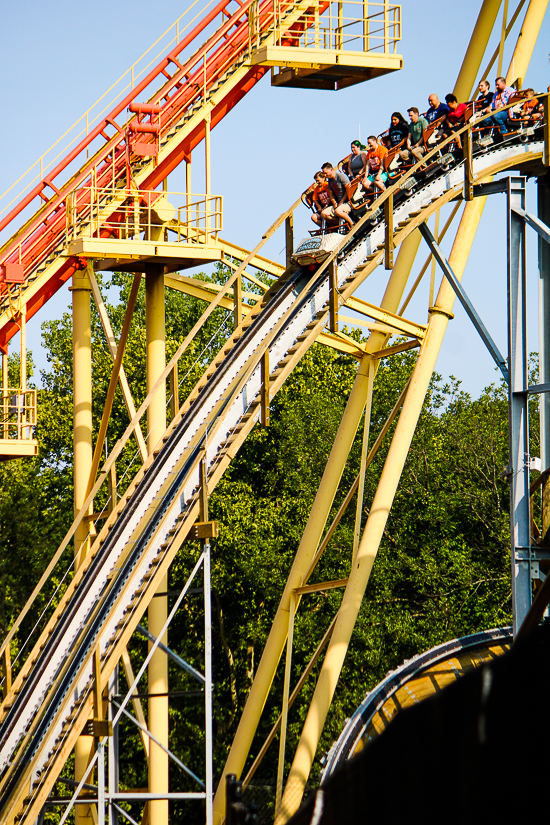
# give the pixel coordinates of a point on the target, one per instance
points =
(443, 566)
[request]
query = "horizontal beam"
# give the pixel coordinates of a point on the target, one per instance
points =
(397, 322)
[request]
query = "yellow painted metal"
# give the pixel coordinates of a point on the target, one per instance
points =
(333, 298)
(18, 417)
(310, 541)
(376, 522)
(207, 291)
(284, 709)
(158, 608)
(96, 460)
(82, 462)
(363, 464)
(301, 682)
(237, 302)
(316, 59)
(265, 392)
(420, 275)
(397, 322)
(502, 38)
(476, 49)
(509, 27)
(388, 233)
(289, 240)
(526, 41)
(346, 43)
(424, 684)
(109, 335)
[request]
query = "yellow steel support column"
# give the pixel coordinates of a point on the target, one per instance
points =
(376, 522)
(526, 41)
(158, 609)
(82, 434)
(476, 49)
(313, 532)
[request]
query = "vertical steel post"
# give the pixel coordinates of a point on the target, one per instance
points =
(237, 302)
(518, 405)
(113, 748)
(388, 233)
(526, 41)
(158, 609)
(100, 784)
(333, 298)
(476, 49)
(265, 394)
(289, 239)
(543, 204)
(284, 709)
(209, 778)
(82, 436)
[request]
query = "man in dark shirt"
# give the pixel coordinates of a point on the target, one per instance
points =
(337, 182)
(437, 110)
(485, 97)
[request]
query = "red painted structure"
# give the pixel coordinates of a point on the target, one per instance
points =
(186, 83)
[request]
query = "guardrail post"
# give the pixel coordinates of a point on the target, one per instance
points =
(265, 389)
(289, 238)
(174, 391)
(333, 298)
(388, 236)
(112, 488)
(6, 669)
(546, 115)
(237, 302)
(468, 166)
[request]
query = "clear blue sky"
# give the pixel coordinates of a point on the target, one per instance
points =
(57, 58)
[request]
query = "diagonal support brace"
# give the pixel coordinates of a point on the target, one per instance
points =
(465, 301)
(174, 656)
(534, 222)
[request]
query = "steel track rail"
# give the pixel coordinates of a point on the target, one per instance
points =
(130, 554)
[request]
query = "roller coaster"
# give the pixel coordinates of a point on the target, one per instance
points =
(103, 207)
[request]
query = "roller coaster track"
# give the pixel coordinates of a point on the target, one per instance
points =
(51, 697)
(424, 675)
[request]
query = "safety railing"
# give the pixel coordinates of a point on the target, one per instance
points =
(83, 127)
(184, 85)
(351, 25)
(17, 413)
(142, 214)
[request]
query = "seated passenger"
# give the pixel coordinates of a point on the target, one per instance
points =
(358, 160)
(339, 204)
(455, 118)
(415, 140)
(530, 111)
(321, 199)
(375, 177)
(483, 101)
(437, 110)
(399, 129)
(501, 97)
